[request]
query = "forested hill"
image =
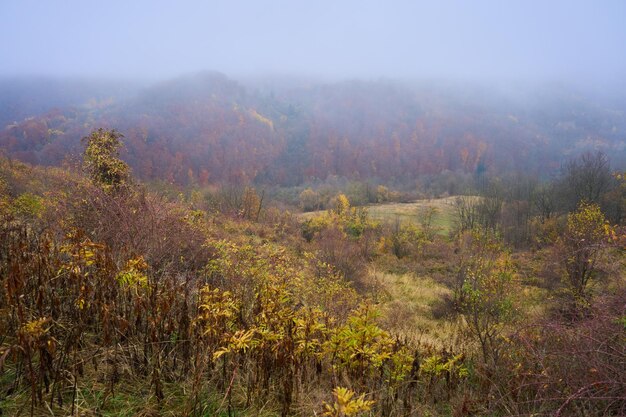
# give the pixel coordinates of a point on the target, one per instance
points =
(207, 128)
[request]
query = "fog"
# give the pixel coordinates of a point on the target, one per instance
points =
(573, 41)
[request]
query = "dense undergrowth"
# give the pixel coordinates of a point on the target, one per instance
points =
(118, 301)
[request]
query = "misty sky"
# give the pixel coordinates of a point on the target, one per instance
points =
(571, 39)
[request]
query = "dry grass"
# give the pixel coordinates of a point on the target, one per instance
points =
(407, 303)
(443, 219)
(415, 212)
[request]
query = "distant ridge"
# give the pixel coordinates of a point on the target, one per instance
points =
(208, 128)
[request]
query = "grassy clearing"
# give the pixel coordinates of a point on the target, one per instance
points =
(415, 211)
(443, 218)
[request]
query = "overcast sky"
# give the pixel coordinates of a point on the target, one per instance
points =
(567, 39)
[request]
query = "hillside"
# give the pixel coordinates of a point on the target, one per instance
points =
(209, 129)
(120, 301)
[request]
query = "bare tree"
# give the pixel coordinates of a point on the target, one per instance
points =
(586, 178)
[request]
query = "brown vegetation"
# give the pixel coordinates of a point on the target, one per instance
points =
(119, 301)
